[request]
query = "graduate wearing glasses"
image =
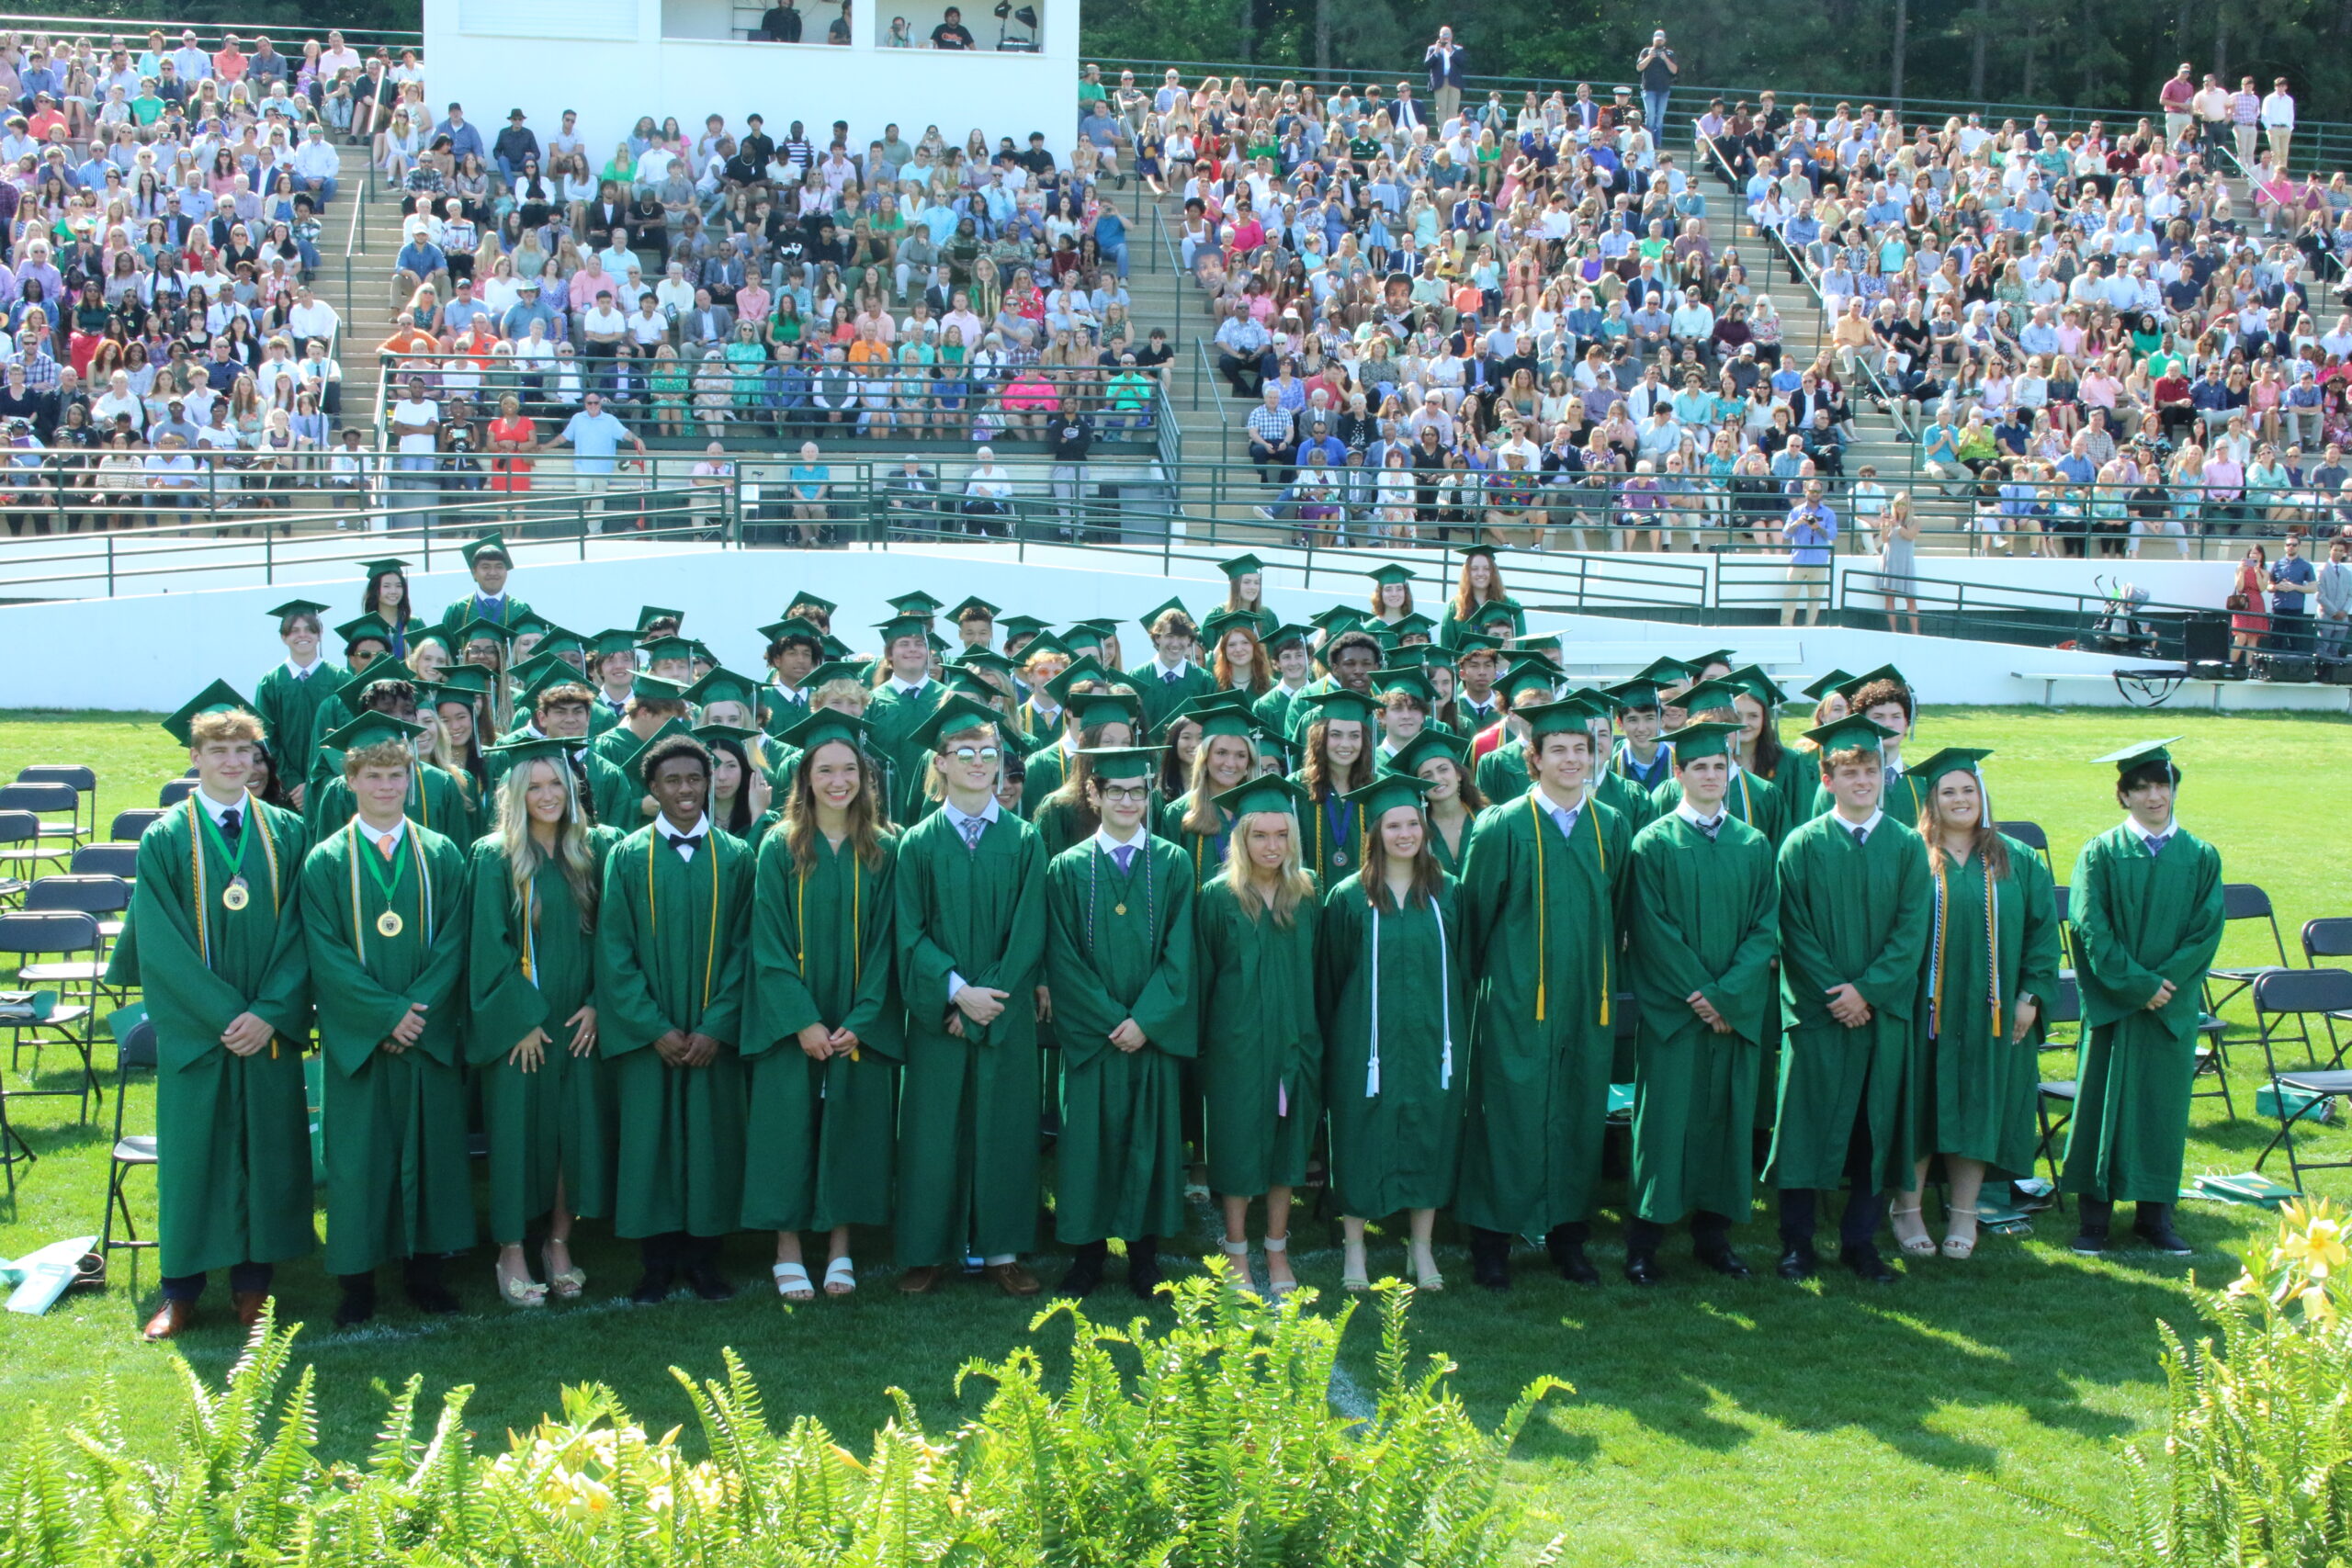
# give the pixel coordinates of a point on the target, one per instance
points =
(1119, 967)
(214, 940)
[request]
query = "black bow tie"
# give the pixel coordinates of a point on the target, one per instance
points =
(682, 843)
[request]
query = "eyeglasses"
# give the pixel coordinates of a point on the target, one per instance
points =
(1135, 796)
(971, 754)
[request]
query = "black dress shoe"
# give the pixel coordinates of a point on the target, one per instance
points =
(652, 1287)
(1143, 1269)
(2090, 1243)
(1863, 1259)
(1798, 1260)
(358, 1305)
(708, 1283)
(1566, 1249)
(1726, 1262)
(1641, 1269)
(422, 1281)
(1084, 1274)
(2153, 1224)
(1490, 1259)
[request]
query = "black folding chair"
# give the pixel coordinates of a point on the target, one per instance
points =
(2243, 901)
(19, 849)
(107, 860)
(102, 894)
(174, 791)
(2031, 835)
(134, 1052)
(2328, 938)
(2067, 1008)
(63, 936)
(2302, 1094)
(2061, 896)
(49, 803)
(82, 781)
(128, 825)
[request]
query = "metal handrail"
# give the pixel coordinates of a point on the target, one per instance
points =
(119, 28)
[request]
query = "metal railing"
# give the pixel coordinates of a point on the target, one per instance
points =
(2096, 623)
(130, 32)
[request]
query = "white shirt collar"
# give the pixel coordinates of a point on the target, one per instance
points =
(1684, 810)
(909, 688)
(216, 809)
(1865, 829)
(954, 814)
(1553, 807)
(1109, 845)
(375, 841)
(701, 827)
(1166, 670)
(302, 672)
(2131, 825)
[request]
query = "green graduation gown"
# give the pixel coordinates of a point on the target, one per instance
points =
(1753, 800)
(1273, 709)
(1451, 625)
(671, 954)
(1262, 1052)
(1502, 772)
(1397, 1140)
(1450, 855)
(1330, 837)
(1120, 947)
(1062, 824)
(1852, 914)
(1700, 915)
(1626, 798)
(232, 1140)
(558, 1120)
(1048, 766)
(399, 1183)
(892, 717)
(288, 705)
(1544, 958)
(1164, 691)
(1204, 853)
(436, 799)
(1977, 1092)
(820, 1148)
(969, 1107)
(2139, 921)
(509, 611)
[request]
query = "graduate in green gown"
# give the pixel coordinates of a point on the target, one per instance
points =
(825, 1035)
(656, 710)
(794, 648)
(488, 561)
(1289, 648)
(970, 931)
(383, 907)
(1855, 912)
(1119, 954)
(900, 705)
(1097, 709)
(289, 696)
(1748, 796)
(1227, 756)
(1885, 698)
(1262, 1050)
(672, 961)
(214, 940)
(2146, 907)
(1349, 657)
(1702, 928)
(1394, 1011)
(1640, 756)
(1452, 802)
(366, 644)
(1479, 602)
(1991, 972)
(1337, 743)
(1245, 595)
(1171, 678)
(437, 797)
(546, 1096)
(1539, 914)
(1502, 771)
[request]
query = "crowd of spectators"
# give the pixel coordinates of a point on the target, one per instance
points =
(729, 282)
(162, 208)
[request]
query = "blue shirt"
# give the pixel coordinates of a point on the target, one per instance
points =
(594, 438)
(2293, 569)
(1810, 531)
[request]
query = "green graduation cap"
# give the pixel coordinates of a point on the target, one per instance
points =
(1095, 709)
(372, 728)
(1015, 627)
(1633, 695)
(612, 640)
(1083, 639)
(1112, 764)
(219, 697)
(824, 726)
(650, 688)
(971, 604)
(488, 544)
(986, 658)
(1751, 678)
(970, 681)
(2132, 756)
(531, 748)
(477, 628)
(1289, 632)
(1085, 667)
(1544, 645)
(1337, 621)
(1269, 792)
(1431, 743)
(553, 638)
(722, 685)
(1854, 683)
(466, 681)
(529, 624)
(1467, 643)
(1242, 566)
(809, 601)
(1666, 672)
(556, 672)
(1414, 625)
(1505, 611)
(836, 670)
(709, 733)
(1421, 656)
(382, 669)
(446, 637)
(1151, 617)
(1833, 681)
(1270, 745)
(1567, 716)
(917, 603)
(1723, 656)
(1217, 623)
(297, 607)
(1411, 680)
(904, 624)
(1851, 733)
(1527, 676)
(1599, 699)
(366, 628)
(1693, 741)
(1708, 695)
(647, 615)
(1041, 645)
(669, 647)
(1219, 713)
(1952, 759)
(956, 713)
(1384, 794)
(1339, 703)
(372, 569)
(1391, 574)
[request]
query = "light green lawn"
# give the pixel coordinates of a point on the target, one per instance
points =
(1713, 1423)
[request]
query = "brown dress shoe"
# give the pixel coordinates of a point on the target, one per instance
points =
(168, 1323)
(1013, 1280)
(250, 1306)
(919, 1281)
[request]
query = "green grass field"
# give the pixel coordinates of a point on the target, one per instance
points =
(1713, 1423)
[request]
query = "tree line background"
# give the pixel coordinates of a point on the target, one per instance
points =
(2091, 53)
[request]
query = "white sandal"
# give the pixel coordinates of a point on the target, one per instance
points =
(1237, 1254)
(1277, 1246)
(1920, 1246)
(840, 1277)
(792, 1282)
(1958, 1247)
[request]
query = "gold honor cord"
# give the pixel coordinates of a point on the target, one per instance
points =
(1543, 908)
(653, 911)
(199, 821)
(856, 931)
(1992, 953)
